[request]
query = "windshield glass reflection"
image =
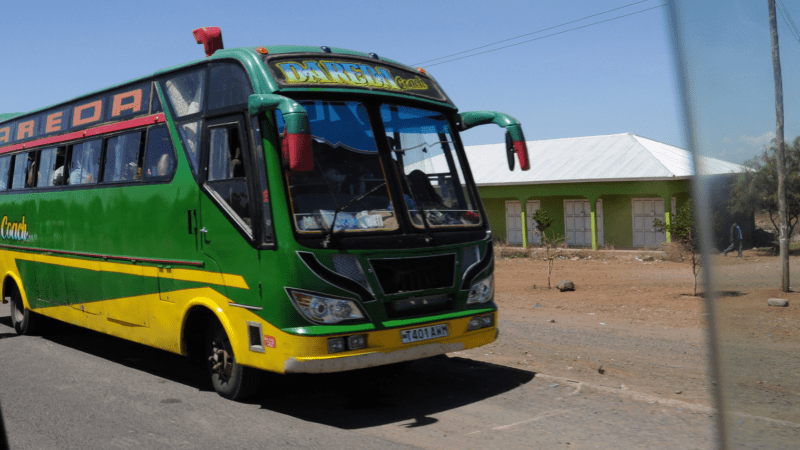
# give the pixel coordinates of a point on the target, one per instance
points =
(348, 179)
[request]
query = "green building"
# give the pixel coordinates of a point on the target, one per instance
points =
(599, 190)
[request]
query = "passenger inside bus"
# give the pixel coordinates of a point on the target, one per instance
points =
(423, 190)
(58, 176)
(85, 163)
(30, 178)
(58, 173)
(158, 159)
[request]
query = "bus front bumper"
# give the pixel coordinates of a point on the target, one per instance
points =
(365, 359)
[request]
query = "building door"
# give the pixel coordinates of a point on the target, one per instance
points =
(578, 223)
(645, 211)
(514, 222)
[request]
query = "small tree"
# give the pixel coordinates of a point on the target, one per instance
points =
(683, 233)
(550, 243)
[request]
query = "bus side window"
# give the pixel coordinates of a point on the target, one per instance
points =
(51, 167)
(24, 170)
(5, 169)
(159, 158)
(155, 104)
(226, 175)
(123, 157)
(30, 176)
(190, 134)
(228, 86)
(185, 92)
(84, 164)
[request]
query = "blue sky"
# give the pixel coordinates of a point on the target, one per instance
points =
(607, 78)
(729, 57)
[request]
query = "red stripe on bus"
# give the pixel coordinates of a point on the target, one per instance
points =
(104, 129)
(99, 256)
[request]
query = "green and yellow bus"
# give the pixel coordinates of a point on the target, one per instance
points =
(292, 209)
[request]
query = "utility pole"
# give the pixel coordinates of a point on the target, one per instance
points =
(780, 149)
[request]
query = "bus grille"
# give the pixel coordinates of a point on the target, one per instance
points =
(419, 306)
(402, 275)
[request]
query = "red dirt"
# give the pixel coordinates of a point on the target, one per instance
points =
(640, 321)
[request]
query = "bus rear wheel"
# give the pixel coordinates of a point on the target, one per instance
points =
(25, 321)
(230, 379)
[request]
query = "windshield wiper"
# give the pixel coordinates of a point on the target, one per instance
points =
(327, 240)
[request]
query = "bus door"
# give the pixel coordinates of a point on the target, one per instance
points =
(226, 211)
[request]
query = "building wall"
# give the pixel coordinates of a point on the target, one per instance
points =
(617, 221)
(496, 210)
(617, 200)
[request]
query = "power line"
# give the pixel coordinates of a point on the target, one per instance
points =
(788, 20)
(538, 38)
(528, 34)
(785, 11)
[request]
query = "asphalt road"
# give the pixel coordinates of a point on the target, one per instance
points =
(76, 389)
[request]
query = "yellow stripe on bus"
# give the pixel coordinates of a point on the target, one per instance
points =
(198, 276)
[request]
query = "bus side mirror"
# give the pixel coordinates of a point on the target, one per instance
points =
(515, 140)
(296, 143)
(510, 151)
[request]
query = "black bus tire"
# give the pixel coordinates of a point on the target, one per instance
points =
(25, 321)
(230, 379)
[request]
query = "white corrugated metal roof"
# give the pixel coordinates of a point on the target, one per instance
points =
(614, 157)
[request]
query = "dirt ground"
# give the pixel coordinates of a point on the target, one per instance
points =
(633, 324)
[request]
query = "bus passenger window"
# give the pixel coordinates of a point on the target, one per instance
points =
(50, 161)
(84, 166)
(24, 170)
(155, 105)
(159, 159)
(190, 134)
(226, 175)
(5, 169)
(185, 92)
(123, 157)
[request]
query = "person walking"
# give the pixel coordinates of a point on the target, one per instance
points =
(736, 240)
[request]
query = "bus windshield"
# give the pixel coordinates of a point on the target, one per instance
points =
(433, 182)
(349, 181)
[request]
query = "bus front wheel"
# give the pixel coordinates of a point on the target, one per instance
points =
(25, 321)
(230, 379)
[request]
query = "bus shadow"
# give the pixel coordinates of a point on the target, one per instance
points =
(347, 400)
(160, 363)
(374, 397)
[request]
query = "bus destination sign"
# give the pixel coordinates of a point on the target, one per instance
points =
(354, 74)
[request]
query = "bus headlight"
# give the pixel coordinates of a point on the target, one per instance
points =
(319, 309)
(482, 291)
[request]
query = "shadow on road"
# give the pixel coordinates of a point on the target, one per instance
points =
(374, 397)
(406, 393)
(157, 362)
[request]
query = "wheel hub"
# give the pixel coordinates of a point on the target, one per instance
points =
(221, 360)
